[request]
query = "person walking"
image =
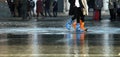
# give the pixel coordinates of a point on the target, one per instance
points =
(80, 10)
(47, 7)
(112, 9)
(39, 8)
(98, 6)
(11, 7)
(32, 5)
(19, 8)
(84, 12)
(118, 8)
(55, 8)
(24, 9)
(28, 9)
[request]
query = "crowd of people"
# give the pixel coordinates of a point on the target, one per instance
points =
(78, 10)
(18, 8)
(113, 6)
(25, 8)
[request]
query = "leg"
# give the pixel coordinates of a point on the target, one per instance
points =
(99, 14)
(79, 14)
(111, 14)
(81, 21)
(114, 14)
(42, 13)
(69, 22)
(37, 14)
(49, 12)
(45, 12)
(110, 10)
(53, 13)
(33, 13)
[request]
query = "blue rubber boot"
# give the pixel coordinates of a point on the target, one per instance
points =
(68, 24)
(78, 28)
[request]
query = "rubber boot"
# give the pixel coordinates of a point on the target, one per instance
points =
(82, 25)
(68, 24)
(74, 24)
(78, 29)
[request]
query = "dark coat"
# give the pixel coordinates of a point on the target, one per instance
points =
(72, 6)
(11, 5)
(98, 4)
(47, 4)
(39, 6)
(71, 9)
(55, 6)
(72, 2)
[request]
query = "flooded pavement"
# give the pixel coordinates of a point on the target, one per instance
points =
(51, 39)
(59, 45)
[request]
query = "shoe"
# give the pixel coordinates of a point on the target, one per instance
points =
(68, 24)
(86, 29)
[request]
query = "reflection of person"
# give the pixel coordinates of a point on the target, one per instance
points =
(80, 10)
(98, 6)
(83, 44)
(79, 41)
(112, 9)
(69, 39)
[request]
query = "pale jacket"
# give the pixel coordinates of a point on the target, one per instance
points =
(85, 9)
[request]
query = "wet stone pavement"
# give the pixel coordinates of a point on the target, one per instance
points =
(47, 38)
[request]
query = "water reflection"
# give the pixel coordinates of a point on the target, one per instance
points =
(70, 44)
(107, 45)
(77, 45)
(93, 44)
(17, 39)
(35, 46)
(103, 45)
